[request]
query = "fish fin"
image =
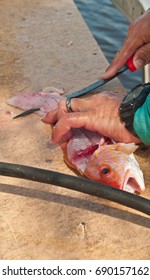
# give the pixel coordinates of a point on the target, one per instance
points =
(65, 155)
(126, 148)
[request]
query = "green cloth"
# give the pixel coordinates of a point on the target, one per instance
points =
(141, 121)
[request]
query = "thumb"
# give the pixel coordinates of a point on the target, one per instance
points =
(142, 56)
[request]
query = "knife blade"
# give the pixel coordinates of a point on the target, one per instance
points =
(129, 66)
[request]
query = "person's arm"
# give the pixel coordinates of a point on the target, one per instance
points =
(101, 112)
(137, 43)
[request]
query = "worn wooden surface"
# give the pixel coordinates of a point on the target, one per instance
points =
(46, 43)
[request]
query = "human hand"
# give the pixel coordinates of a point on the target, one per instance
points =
(136, 43)
(99, 113)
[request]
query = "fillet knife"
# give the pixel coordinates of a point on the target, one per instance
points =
(129, 66)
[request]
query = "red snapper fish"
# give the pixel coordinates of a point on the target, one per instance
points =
(93, 155)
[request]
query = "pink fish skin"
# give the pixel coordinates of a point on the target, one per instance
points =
(105, 162)
(115, 165)
(91, 154)
(46, 101)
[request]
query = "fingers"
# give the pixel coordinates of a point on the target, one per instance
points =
(64, 121)
(142, 56)
(97, 113)
(137, 40)
(128, 49)
(62, 129)
(54, 115)
(84, 114)
(77, 104)
(51, 117)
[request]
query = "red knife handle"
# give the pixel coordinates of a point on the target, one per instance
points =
(130, 64)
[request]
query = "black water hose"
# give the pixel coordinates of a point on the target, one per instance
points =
(76, 183)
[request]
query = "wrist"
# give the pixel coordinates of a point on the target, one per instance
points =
(141, 121)
(130, 104)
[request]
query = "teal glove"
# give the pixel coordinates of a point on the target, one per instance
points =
(141, 121)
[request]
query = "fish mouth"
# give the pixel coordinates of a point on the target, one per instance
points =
(134, 183)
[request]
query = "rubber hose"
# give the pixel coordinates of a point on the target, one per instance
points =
(76, 183)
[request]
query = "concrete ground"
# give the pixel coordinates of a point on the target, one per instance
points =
(46, 43)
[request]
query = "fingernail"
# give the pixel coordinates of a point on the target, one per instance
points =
(44, 119)
(107, 73)
(107, 69)
(138, 63)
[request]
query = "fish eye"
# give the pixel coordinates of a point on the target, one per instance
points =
(105, 170)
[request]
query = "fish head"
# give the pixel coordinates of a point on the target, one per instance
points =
(115, 165)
